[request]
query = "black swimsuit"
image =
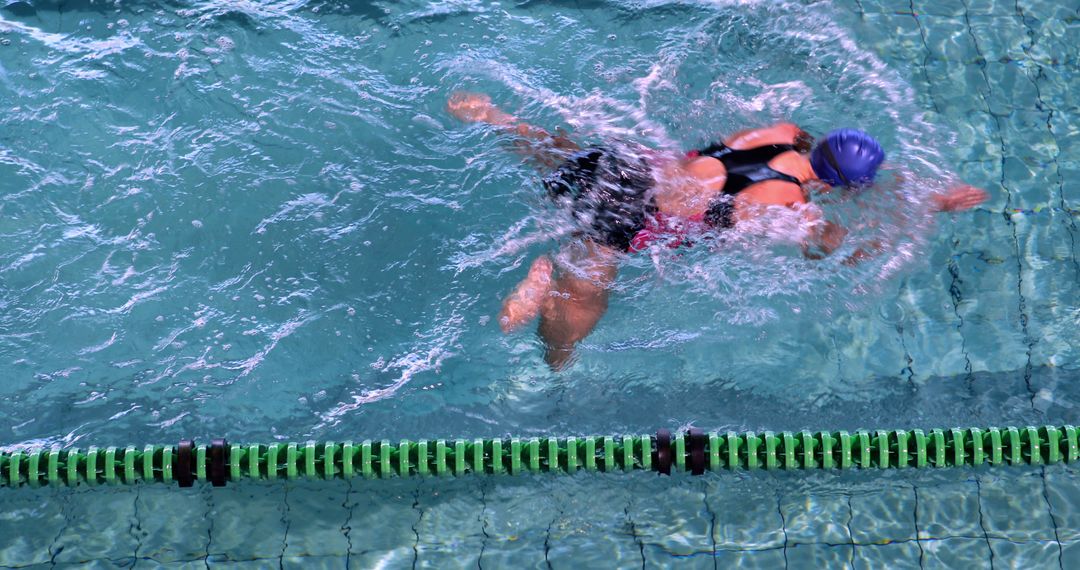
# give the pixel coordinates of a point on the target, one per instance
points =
(744, 169)
(607, 191)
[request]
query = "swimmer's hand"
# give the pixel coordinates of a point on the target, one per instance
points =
(476, 108)
(867, 251)
(958, 198)
(825, 237)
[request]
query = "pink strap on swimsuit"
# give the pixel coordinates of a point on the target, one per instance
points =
(672, 231)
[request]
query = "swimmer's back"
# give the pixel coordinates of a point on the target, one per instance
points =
(778, 192)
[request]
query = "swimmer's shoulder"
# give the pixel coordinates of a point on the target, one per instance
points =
(779, 133)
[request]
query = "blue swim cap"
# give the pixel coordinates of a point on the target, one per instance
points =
(847, 157)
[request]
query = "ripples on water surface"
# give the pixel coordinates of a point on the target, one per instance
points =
(257, 219)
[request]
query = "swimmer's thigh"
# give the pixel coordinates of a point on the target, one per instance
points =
(580, 298)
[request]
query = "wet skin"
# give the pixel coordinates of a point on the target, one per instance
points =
(570, 304)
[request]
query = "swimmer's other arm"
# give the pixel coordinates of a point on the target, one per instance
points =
(546, 148)
(478, 108)
(827, 236)
(824, 236)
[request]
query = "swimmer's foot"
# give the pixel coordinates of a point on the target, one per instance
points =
(558, 358)
(476, 108)
(524, 304)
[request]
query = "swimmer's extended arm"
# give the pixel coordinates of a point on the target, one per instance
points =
(546, 148)
(958, 198)
(478, 108)
(829, 236)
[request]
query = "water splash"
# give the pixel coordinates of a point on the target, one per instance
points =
(750, 273)
(222, 203)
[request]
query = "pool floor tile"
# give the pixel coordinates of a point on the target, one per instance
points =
(751, 559)
(401, 557)
(182, 535)
(1014, 507)
(596, 550)
(685, 507)
(99, 526)
(249, 519)
(895, 556)
(1070, 554)
(817, 519)
(956, 553)
(312, 563)
(885, 514)
(949, 510)
(814, 556)
(319, 508)
(1032, 554)
(29, 527)
(756, 524)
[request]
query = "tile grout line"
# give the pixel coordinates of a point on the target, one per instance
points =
(416, 530)
(918, 531)
(634, 534)
(209, 498)
(547, 543)
(953, 267)
(1070, 221)
(712, 521)
(908, 360)
(287, 520)
(783, 526)
(346, 528)
(982, 521)
(65, 505)
(482, 518)
(1053, 518)
(955, 291)
(1008, 220)
(135, 528)
(851, 535)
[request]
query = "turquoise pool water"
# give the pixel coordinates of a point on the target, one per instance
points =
(256, 220)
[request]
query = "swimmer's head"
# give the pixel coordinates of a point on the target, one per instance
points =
(847, 157)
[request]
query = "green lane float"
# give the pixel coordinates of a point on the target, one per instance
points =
(693, 452)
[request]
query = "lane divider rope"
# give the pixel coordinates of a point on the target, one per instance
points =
(694, 452)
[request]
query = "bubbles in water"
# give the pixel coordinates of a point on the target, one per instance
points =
(405, 210)
(785, 62)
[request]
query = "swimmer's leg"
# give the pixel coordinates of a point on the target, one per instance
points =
(525, 302)
(577, 301)
(545, 149)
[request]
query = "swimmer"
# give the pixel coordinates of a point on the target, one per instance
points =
(628, 197)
